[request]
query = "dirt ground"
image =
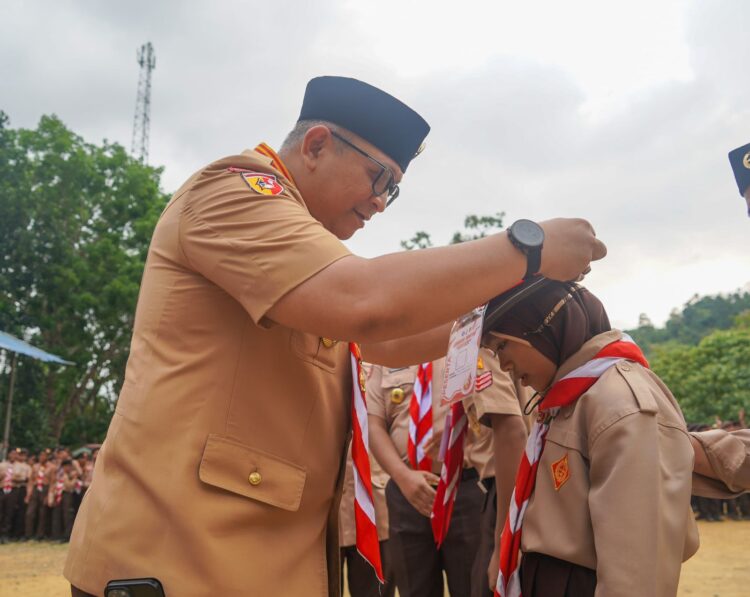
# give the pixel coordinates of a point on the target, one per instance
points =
(719, 569)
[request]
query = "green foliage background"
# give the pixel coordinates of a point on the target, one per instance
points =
(75, 223)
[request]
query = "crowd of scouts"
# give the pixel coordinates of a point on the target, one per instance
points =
(41, 493)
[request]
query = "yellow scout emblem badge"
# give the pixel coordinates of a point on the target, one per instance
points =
(746, 160)
(265, 184)
(397, 395)
(362, 380)
(480, 363)
(560, 472)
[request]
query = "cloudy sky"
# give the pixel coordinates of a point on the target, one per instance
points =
(622, 113)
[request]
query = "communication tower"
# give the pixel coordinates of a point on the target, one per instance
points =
(142, 120)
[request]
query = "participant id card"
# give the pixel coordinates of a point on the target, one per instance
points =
(461, 361)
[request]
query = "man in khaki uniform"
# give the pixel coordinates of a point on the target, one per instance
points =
(221, 472)
(418, 563)
(36, 497)
(14, 475)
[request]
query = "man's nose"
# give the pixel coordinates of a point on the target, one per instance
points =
(378, 202)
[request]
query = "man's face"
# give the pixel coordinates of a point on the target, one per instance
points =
(341, 194)
(12, 456)
(42, 457)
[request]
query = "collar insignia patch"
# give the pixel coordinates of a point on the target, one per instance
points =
(560, 472)
(265, 184)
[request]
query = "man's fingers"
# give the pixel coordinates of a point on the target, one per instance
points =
(431, 478)
(600, 250)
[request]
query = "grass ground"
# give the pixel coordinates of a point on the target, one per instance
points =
(719, 569)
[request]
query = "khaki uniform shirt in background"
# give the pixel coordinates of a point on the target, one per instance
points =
(504, 397)
(221, 470)
(624, 509)
(385, 400)
(728, 454)
(21, 474)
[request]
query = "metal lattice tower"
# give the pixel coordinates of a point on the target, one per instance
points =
(142, 120)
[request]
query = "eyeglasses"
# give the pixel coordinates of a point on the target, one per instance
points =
(384, 182)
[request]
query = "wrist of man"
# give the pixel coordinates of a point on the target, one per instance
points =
(528, 238)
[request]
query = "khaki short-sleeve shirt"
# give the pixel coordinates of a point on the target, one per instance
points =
(222, 467)
(613, 485)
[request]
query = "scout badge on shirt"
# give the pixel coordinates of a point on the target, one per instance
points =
(463, 353)
(560, 472)
(265, 184)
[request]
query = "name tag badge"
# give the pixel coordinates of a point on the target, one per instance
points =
(461, 360)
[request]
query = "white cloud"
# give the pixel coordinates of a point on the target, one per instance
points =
(622, 113)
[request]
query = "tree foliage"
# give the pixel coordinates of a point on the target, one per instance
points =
(75, 223)
(710, 379)
(699, 317)
(474, 227)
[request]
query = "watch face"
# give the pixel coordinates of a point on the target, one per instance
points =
(529, 233)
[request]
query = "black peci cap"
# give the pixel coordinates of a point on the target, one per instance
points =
(502, 303)
(740, 160)
(389, 124)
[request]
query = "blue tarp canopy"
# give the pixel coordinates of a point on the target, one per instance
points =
(14, 344)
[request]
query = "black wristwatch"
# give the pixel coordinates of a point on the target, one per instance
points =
(528, 237)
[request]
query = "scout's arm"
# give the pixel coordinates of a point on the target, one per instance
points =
(407, 293)
(722, 463)
(508, 442)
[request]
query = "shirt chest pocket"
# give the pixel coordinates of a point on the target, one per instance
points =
(397, 387)
(249, 472)
(329, 355)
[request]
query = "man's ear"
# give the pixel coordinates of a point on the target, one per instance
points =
(316, 140)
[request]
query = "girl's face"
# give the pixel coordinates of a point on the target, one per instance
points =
(526, 364)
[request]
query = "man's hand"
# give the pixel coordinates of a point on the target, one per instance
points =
(493, 569)
(570, 244)
(418, 488)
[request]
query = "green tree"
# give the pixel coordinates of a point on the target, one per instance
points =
(710, 379)
(474, 227)
(75, 223)
(699, 317)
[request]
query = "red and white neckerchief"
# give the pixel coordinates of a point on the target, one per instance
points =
(364, 508)
(8, 480)
(40, 475)
(564, 392)
(450, 474)
(420, 419)
(59, 485)
(77, 486)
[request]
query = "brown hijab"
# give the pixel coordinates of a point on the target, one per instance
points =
(557, 320)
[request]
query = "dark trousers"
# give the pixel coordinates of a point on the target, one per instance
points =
(360, 576)
(417, 563)
(36, 514)
(480, 586)
(13, 509)
(62, 517)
